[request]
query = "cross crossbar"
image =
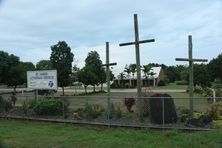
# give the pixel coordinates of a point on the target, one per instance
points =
(110, 64)
(194, 60)
(140, 42)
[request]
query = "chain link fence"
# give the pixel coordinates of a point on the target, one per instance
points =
(161, 111)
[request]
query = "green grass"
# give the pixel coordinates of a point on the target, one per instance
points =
(173, 86)
(36, 134)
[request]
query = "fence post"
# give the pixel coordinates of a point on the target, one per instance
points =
(163, 112)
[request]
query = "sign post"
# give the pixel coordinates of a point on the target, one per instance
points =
(42, 80)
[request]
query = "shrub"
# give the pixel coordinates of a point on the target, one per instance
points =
(183, 114)
(5, 105)
(27, 105)
(129, 102)
(49, 107)
(216, 110)
(46, 92)
(216, 124)
(207, 92)
(90, 111)
(115, 113)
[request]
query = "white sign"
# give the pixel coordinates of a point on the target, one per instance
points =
(45, 79)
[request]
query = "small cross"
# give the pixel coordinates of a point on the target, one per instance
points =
(137, 43)
(108, 78)
(191, 60)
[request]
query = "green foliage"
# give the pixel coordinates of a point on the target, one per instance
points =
(49, 107)
(86, 76)
(216, 124)
(92, 111)
(12, 71)
(206, 92)
(93, 60)
(129, 102)
(92, 73)
(44, 65)
(216, 110)
(89, 111)
(183, 114)
(62, 58)
(5, 104)
(46, 92)
(201, 75)
(215, 69)
(173, 73)
(133, 69)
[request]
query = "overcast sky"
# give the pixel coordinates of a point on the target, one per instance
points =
(28, 28)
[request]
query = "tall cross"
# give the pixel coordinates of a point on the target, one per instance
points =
(137, 43)
(191, 60)
(108, 79)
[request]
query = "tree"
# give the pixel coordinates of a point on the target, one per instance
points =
(86, 76)
(215, 69)
(173, 72)
(10, 70)
(74, 75)
(4, 57)
(102, 78)
(62, 58)
(200, 75)
(132, 69)
(26, 66)
(44, 65)
(128, 71)
(121, 77)
(93, 63)
(146, 70)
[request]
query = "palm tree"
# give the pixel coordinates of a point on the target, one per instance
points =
(133, 69)
(121, 76)
(127, 70)
(146, 70)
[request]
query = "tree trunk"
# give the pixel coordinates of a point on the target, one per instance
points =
(85, 88)
(94, 88)
(63, 92)
(15, 89)
(101, 86)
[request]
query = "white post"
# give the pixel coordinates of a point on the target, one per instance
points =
(214, 95)
(154, 82)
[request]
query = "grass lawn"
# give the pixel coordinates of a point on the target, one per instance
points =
(37, 134)
(173, 86)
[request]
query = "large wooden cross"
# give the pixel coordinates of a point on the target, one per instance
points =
(137, 43)
(108, 79)
(191, 61)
